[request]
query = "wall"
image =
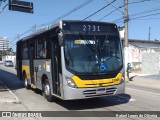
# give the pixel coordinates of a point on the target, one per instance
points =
(151, 63)
(135, 55)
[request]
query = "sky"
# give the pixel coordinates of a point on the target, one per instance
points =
(142, 14)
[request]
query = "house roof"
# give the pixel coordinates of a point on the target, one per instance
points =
(144, 41)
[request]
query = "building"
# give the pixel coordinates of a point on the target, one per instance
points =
(142, 53)
(4, 43)
(9, 57)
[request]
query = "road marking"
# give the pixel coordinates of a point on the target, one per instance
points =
(143, 91)
(131, 100)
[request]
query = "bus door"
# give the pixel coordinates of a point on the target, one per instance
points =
(18, 65)
(31, 58)
(55, 65)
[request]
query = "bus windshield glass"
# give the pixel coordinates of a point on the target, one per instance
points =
(93, 53)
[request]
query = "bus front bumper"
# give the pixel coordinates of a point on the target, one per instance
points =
(84, 93)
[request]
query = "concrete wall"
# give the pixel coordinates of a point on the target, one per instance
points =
(151, 63)
(135, 55)
(135, 51)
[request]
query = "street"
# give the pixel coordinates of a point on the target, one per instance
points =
(137, 98)
(67, 52)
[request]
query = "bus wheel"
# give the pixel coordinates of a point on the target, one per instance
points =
(26, 85)
(47, 91)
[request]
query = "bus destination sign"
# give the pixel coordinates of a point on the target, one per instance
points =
(89, 26)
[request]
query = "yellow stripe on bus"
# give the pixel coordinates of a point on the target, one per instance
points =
(97, 83)
(33, 86)
(26, 69)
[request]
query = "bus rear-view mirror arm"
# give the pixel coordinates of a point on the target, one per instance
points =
(60, 39)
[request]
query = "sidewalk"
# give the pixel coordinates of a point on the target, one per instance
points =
(145, 80)
(6, 95)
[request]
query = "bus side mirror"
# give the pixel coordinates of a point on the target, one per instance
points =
(60, 39)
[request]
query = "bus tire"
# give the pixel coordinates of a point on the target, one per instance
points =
(47, 91)
(25, 81)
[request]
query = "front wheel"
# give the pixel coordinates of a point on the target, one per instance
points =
(26, 85)
(47, 91)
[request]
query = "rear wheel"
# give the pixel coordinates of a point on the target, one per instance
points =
(47, 91)
(26, 85)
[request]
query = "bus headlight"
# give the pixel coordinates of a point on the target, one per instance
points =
(122, 80)
(70, 82)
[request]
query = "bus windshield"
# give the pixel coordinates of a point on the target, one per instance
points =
(92, 53)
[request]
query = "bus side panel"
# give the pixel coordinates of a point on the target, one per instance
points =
(26, 69)
(42, 67)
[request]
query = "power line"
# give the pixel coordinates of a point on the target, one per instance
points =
(99, 10)
(144, 12)
(148, 19)
(19, 35)
(65, 15)
(3, 8)
(137, 14)
(111, 12)
(141, 1)
(68, 13)
(115, 7)
(2, 1)
(145, 16)
(135, 18)
(74, 9)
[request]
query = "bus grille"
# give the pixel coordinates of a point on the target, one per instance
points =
(95, 77)
(99, 92)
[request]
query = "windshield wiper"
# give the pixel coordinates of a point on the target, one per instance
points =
(102, 43)
(88, 43)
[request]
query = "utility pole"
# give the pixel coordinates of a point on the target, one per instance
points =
(149, 34)
(126, 23)
(126, 50)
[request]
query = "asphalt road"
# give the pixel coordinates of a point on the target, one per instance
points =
(135, 99)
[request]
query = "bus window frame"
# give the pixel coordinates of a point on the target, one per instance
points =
(41, 40)
(25, 54)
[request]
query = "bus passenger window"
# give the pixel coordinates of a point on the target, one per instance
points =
(25, 51)
(42, 53)
(41, 49)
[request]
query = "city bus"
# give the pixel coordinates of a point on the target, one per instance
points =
(72, 59)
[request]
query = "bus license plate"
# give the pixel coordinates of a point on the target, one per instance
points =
(101, 91)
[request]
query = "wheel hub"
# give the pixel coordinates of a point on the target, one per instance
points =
(47, 89)
(25, 82)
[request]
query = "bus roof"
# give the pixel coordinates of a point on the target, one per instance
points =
(39, 31)
(59, 25)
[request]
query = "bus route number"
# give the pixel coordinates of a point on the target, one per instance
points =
(91, 28)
